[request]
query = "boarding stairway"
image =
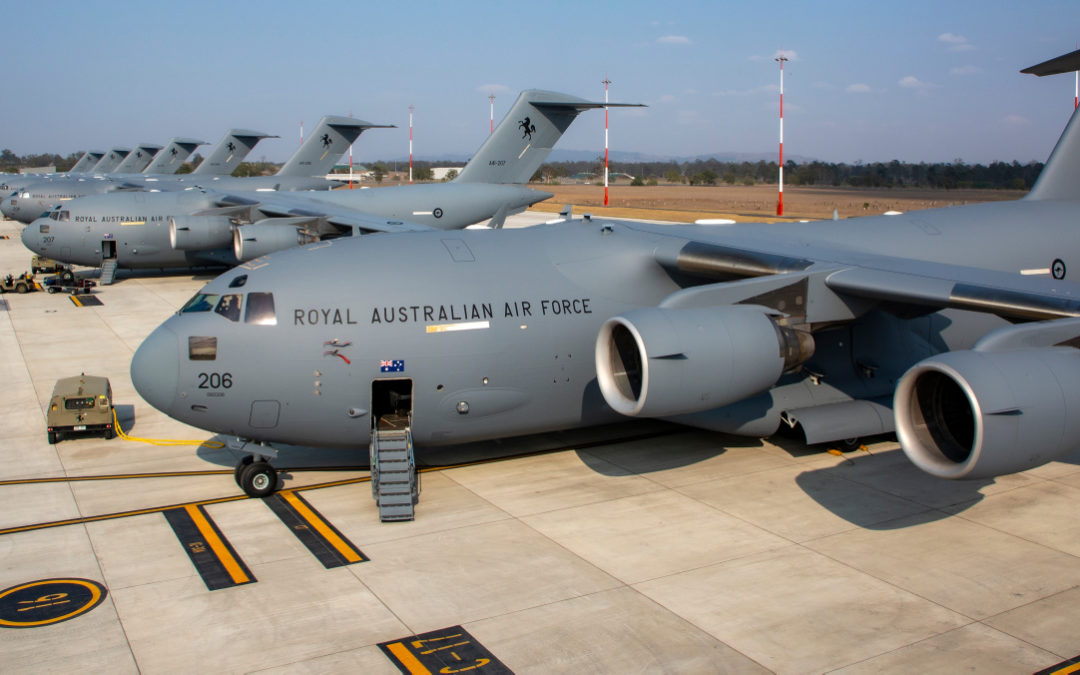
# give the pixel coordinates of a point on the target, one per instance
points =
(108, 272)
(395, 485)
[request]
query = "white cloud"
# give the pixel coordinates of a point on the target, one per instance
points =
(912, 82)
(858, 88)
(674, 40)
(965, 70)
(957, 43)
(494, 89)
(1015, 121)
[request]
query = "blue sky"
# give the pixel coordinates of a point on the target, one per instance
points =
(913, 80)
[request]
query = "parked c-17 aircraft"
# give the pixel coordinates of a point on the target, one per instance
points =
(37, 195)
(954, 326)
(196, 228)
(305, 170)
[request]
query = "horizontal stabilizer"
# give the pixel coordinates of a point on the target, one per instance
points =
(1066, 63)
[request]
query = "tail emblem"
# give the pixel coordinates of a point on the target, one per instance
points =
(231, 146)
(528, 127)
(326, 140)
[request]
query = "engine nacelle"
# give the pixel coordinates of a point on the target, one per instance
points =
(659, 362)
(975, 414)
(197, 233)
(266, 236)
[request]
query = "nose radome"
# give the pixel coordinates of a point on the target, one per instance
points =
(28, 240)
(155, 369)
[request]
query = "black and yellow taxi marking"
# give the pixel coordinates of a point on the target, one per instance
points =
(324, 540)
(48, 601)
(1063, 668)
(86, 300)
(448, 650)
(209, 550)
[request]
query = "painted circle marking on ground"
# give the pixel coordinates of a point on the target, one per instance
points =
(48, 601)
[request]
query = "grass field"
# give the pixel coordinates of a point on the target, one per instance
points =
(755, 203)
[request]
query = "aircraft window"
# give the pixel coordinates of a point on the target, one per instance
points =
(43, 228)
(238, 281)
(260, 309)
(229, 307)
(202, 302)
(54, 215)
(202, 348)
(65, 216)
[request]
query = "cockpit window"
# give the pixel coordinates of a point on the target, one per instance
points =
(229, 306)
(202, 348)
(260, 309)
(43, 228)
(65, 216)
(202, 302)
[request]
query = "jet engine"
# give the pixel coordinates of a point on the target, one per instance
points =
(659, 362)
(266, 236)
(197, 233)
(976, 414)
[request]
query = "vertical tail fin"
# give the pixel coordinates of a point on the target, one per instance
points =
(87, 161)
(172, 157)
(525, 137)
(232, 149)
(137, 159)
(325, 146)
(111, 160)
(1060, 177)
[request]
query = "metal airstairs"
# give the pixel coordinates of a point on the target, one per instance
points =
(395, 485)
(108, 272)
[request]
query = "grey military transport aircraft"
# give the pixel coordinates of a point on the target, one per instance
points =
(214, 227)
(305, 170)
(956, 327)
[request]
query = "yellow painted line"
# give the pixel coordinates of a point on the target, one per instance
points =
(75, 299)
(405, 658)
(219, 549)
(320, 526)
(125, 223)
(95, 598)
(1068, 669)
(451, 327)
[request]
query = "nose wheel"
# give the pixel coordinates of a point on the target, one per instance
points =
(256, 477)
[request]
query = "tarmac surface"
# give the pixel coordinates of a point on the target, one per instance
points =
(637, 548)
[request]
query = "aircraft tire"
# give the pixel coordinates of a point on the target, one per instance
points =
(243, 464)
(258, 479)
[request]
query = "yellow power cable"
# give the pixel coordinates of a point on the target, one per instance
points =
(162, 441)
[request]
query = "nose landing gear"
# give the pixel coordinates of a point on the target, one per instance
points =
(256, 477)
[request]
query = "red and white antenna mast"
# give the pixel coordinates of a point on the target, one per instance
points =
(606, 83)
(1076, 88)
(411, 108)
(780, 198)
(301, 132)
(492, 99)
(350, 163)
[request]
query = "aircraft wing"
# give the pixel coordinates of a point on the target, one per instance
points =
(327, 220)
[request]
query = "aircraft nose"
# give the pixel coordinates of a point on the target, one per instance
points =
(155, 368)
(7, 207)
(28, 239)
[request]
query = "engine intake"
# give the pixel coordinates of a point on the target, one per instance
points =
(266, 236)
(975, 414)
(197, 233)
(659, 362)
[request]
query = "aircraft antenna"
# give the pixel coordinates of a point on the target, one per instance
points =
(301, 132)
(780, 198)
(492, 99)
(606, 83)
(411, 109)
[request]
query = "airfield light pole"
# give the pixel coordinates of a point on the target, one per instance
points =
(780, 198)
(411, 108)
(606, 83)
(492, 99)
(301, 132)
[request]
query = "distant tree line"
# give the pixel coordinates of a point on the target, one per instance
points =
(952, 175)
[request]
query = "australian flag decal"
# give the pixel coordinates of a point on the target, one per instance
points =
(395, 366)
